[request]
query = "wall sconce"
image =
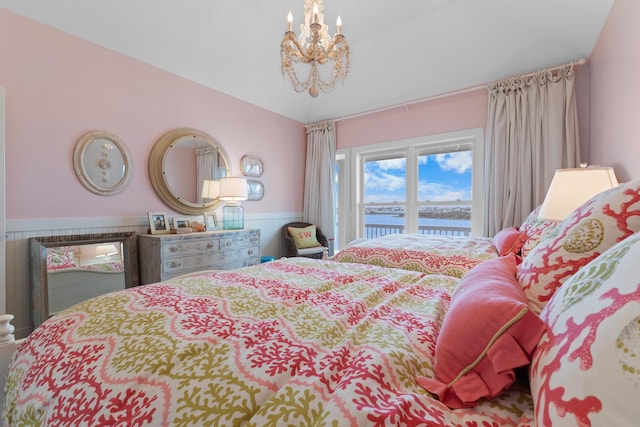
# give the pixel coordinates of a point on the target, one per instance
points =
(233, 190)
(570, 188)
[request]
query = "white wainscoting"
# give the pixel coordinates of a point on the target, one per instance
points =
(18, 295)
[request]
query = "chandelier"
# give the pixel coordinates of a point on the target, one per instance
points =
(315, 47)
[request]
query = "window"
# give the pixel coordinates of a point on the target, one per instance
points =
(428, 185)
(384, 194)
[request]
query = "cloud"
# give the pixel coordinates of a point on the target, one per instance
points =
(441, 192)
(391, 164)
(384, 181)
(459, 162)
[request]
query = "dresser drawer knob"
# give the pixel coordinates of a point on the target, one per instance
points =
(228, 243)
(173, 249)
(209, 245)
(250, 251)
(175, 264)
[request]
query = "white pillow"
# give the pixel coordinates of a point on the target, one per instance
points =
(586, 368)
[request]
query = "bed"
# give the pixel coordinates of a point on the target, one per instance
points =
(550, 338)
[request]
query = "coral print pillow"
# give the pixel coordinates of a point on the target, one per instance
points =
(586, 368)
(594, 227)
(536, 229)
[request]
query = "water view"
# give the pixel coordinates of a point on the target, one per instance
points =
(422, 221)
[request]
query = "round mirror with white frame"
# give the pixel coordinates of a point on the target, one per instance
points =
(179, 163)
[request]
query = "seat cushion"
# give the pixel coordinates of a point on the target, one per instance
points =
(309, 251)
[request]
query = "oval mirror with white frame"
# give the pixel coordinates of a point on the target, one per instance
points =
(179, 164)
(102, 163)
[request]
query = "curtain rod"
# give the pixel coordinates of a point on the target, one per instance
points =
(556, 68)
(406, 105)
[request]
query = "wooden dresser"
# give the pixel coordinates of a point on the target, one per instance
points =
(163, 256)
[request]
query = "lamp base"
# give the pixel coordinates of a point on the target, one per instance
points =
(232, 216)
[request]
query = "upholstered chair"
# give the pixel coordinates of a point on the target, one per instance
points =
(292, 249)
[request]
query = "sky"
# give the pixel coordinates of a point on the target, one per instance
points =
(442, 177)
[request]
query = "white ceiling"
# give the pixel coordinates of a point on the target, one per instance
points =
(401, 50)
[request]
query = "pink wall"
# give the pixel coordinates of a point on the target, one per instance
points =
(463, 111)
(615, 92)
(58, 87)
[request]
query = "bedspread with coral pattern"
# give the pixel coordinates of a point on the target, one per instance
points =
(289, 342)
(433, 254)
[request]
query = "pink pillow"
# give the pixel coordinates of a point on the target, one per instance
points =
(487, 332)
(591, 229)
(509, 241)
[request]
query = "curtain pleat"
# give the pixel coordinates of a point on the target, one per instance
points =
(532, 130)
(206, 168)
(319, 182)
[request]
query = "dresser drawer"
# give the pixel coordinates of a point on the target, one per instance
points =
(203, 261)
(240, 257)
(189, 246)
(239, 241)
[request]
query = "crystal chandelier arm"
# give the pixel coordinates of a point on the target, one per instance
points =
(291, 47)
(291, 51)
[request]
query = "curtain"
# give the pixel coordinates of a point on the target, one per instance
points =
(319, 180)
(206, 168)
(532, 130)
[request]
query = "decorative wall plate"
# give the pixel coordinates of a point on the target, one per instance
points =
(255, 190)
(251, 166)
(102, 163)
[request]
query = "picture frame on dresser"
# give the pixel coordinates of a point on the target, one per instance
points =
(210, 222)
(159, 223)
(182, 222)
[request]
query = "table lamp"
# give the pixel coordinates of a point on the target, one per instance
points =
(570, 188)
(233, 190)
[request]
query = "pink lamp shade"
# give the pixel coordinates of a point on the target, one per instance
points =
(570, 188)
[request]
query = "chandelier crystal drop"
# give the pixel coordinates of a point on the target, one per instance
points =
(315, 47)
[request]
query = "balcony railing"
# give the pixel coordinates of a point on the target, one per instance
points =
(377, 230)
